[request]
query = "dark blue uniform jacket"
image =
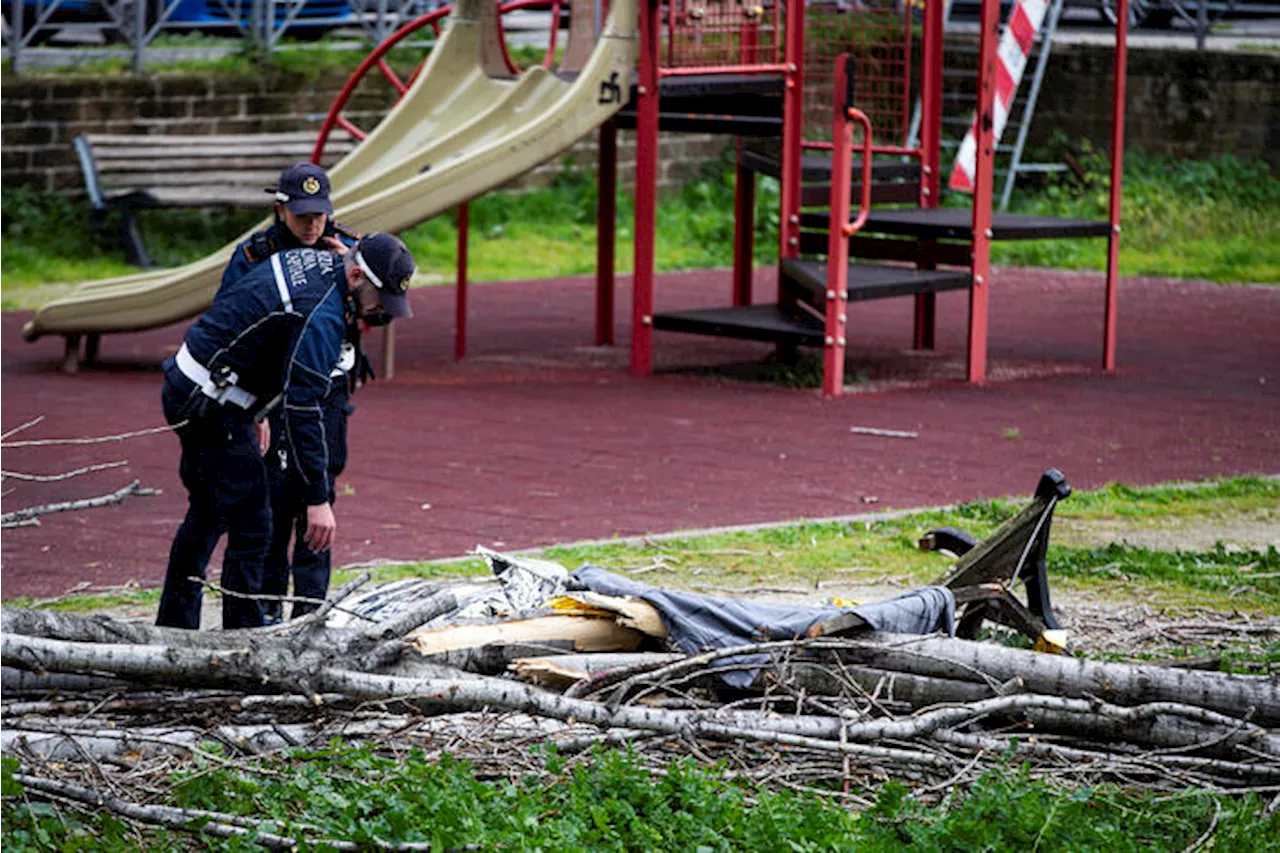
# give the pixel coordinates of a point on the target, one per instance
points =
(274, 238)
(280, 328)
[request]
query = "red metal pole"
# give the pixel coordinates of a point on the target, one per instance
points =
(982, 194)
(792, 133)
(646, 191)
(931, 105)
(460, 292)
(931, 153)
(837, 237)
(606, 230)
(1117, 185)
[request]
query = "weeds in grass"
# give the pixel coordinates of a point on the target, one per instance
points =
(612, 802)
(1217, 219)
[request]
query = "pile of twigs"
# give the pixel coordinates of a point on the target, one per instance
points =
(102, 713)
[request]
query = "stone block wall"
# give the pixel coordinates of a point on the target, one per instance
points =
(41, 116)
(1180, 102)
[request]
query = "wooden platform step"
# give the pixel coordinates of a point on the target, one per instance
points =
(808, 280)
(956, 223)
(773, 323)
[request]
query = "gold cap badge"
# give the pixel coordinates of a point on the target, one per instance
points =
(311, 186)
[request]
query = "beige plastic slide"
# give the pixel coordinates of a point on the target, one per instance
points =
(460, 131)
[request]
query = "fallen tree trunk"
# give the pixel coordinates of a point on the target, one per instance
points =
(1244, 696)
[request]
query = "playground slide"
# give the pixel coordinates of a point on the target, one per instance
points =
(456, 134)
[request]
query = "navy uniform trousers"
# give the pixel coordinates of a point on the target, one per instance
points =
(289, 514)
(226, 480)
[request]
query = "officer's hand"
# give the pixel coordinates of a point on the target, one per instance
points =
(336, 245)
(320, 527)
(262, 432)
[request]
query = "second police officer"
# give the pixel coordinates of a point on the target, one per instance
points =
(271, 339)
(303, 218)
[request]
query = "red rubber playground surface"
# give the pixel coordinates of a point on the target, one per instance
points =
(539, 437)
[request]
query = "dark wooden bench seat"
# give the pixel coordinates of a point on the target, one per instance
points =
(126, 172)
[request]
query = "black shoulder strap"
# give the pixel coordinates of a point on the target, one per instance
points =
(261, 245)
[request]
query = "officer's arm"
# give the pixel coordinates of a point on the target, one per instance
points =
(314, 353)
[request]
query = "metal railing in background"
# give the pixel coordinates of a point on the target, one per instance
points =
(113, 28)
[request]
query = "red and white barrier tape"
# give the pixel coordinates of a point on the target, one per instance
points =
(1011, 60)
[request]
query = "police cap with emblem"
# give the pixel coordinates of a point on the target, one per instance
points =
(386, 262)
(303, 188)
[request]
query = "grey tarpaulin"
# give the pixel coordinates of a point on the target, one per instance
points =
(700, 623)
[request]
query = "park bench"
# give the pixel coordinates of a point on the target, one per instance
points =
(986, 571)
(126, 172)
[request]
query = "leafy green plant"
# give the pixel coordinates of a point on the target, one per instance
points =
(613, 802)
(1217, 218)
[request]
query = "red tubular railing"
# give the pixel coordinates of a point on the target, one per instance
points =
(517, 5)
(840, 229)
(432, 19)
(375, 58)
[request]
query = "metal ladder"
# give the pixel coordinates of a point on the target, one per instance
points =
(1020, 116)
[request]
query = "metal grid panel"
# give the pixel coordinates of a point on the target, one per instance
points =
(879, 34)
(717, 33)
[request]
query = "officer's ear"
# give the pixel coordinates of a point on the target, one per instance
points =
(353, 273)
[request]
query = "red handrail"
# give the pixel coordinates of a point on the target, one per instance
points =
(840, 229)
(375, 58)
(845, 167)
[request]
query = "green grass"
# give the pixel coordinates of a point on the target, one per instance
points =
(883, 552)
(614, 803)
(228, 56)
(1217, 219)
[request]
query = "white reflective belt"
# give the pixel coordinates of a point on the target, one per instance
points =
(282, 284)
(199, 374)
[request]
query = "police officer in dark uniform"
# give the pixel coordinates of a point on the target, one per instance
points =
(274, 337)
(303, 220)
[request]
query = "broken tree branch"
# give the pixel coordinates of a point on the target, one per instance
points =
(115, 497)
(66, 475)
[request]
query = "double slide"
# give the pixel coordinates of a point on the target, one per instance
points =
(459, 131)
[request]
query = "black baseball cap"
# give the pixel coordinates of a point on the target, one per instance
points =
(303, 188)
(386, 262)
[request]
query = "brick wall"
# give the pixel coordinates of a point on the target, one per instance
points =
(40, 117)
